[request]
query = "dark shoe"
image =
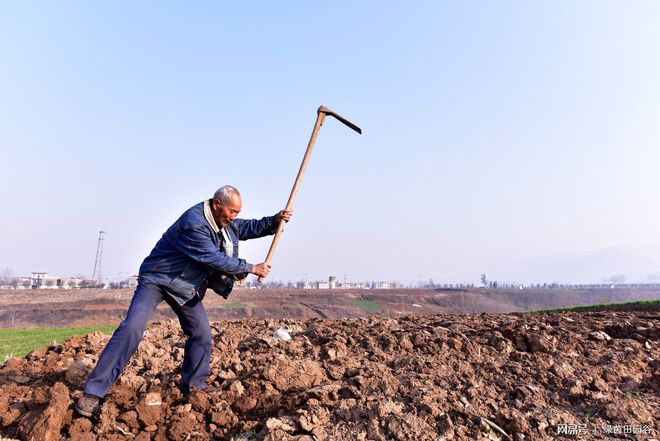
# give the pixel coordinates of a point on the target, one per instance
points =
(211, 389)
(87, 405)
(205, 389)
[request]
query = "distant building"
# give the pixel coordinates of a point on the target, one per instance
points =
(131, 282)
(353, 285)
(23, 282)
(332, 282)
(40, 280)
(43, 280)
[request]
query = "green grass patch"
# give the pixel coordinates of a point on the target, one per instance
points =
(634, 395)
(621, 306)
(18, 342)
(233, 305)
(367, 305)
(592, 411)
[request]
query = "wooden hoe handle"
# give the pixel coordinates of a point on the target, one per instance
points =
(320, 117)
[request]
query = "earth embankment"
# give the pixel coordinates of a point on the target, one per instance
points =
(60, 308)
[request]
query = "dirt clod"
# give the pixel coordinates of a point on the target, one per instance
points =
(45, 420)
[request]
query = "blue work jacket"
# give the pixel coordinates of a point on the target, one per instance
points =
(190, 250)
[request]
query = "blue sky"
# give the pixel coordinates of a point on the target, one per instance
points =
(520, 139)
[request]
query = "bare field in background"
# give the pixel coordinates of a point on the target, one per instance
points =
(60, 308)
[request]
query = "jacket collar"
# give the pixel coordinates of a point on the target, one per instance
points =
(208, 214)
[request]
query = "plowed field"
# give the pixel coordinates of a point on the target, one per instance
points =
(447, 376)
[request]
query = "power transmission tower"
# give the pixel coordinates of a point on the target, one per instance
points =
(99, 256)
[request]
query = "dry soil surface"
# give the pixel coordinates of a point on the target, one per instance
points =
(465, 377)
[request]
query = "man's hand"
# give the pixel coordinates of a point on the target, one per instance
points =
(261, 269)
(284, 215)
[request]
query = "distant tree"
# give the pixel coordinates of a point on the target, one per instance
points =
(484, 280)
(49, 283)
(7, 277)
(618, 279)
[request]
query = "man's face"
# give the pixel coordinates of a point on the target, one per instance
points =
(225, 214)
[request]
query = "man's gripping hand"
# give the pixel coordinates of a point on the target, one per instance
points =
(261, 269)
(284, 215)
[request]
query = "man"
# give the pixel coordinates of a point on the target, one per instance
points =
(199, 250)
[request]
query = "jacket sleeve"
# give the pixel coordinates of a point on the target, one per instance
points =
(255, 228)
(196, 244)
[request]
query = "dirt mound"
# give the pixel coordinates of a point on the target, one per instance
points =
(410, 378)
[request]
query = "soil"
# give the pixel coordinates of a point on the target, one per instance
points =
(63, 308)
(519, 376)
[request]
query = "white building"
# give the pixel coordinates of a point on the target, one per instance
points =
(131, 282)
(43, 280)
(40, 280)
(353, 285)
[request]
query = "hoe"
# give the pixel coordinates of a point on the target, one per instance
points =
(322, 112)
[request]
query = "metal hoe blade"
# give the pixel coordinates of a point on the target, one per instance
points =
(327, 111)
